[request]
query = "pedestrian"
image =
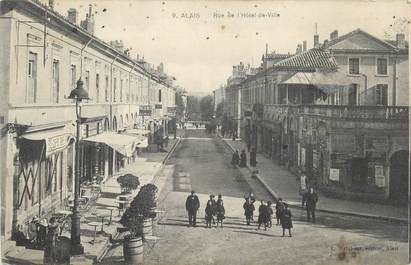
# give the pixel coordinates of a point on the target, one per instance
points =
(279, 209)
(50, 248)
(235, 158)
(214, 208)
(253, 158)
(270, 213)
(192, 205)
(303, 188)
(243, 159)
(220, 210)
(262, 215)
(312, 199)
(209, 211)
(286, 221)
(249, 208)
(33, 229)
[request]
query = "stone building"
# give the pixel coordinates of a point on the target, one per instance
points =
(337, 112)
(42, 55)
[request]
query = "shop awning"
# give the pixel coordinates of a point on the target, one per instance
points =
(140, 135)
(54, 140)
(328, 82)
(124, 144)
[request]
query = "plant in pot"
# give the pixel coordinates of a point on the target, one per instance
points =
(128, 182)
(133, 242)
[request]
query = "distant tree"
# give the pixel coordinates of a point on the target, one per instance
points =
(219, 110)
(193, 108)
(179, 107)
(207, 108)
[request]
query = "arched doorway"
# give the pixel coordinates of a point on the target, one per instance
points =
(121, 124)
(399, 177)
(115, 124)
(106, 124)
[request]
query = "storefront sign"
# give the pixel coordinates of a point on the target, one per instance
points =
(158, 106)
(379, 176)
(145, 110)
(335, 174)
(57, 143)
(343, 143)
(248, 114)
(171, 111)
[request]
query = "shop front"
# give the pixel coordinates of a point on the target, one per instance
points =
(44, 172)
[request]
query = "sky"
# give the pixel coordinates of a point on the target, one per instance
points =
(199, 46)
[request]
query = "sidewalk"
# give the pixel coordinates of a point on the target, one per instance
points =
(145, 167)
(282, 183)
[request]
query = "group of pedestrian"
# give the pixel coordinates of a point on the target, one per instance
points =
(241, 160)
(265, 213)
(214, 210)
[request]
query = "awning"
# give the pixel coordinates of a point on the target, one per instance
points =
(122, 143)
(54, 140)
(138, 131)
(328, 82)
(140, 135)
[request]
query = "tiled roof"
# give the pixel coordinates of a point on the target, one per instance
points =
(278, 56)
(309, 60)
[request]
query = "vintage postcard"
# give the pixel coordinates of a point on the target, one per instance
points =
(204, 132)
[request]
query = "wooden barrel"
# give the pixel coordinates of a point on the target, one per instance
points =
(133, 251)
(147, 227)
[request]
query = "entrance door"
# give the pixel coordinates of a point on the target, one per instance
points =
(399, 177)
(359, 172)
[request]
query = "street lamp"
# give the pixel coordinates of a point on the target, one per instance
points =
(78, 94)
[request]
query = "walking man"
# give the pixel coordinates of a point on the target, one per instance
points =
(235, 158)
(253, 158)
(192, 205)
(262, 215)
(243, 159)
(311, 202)
(210, 211)
(279, 209)
(249, 208)
(220, 210)
(303, 188)
(286, 221)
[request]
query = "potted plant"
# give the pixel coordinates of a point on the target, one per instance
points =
(128, 182)
(133, 242)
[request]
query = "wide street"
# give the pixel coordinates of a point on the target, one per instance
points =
(202, 162)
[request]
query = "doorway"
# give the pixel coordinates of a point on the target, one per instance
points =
(399, 177)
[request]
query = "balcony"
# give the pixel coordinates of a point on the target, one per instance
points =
(360, 113)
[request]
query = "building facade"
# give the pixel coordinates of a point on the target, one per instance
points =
(338, 112)
(42, 56)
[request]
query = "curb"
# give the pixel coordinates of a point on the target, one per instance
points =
(354, 214)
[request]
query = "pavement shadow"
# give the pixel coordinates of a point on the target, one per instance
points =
(256, 233)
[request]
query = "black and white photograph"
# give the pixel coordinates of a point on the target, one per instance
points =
(204, 132)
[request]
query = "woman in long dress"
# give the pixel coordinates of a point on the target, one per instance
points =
(286, 221)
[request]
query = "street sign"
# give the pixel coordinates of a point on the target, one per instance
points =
(145, 110)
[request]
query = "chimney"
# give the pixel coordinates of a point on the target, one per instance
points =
(316, 41)
(51, 4)
(299, 49)
(304, 46)
(90, 7)
(334, 35)
(72, 15)
(325, 44)
(400, 37)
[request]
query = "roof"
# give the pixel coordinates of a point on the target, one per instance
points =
(360, 31)
(312, 59)
(274, 55)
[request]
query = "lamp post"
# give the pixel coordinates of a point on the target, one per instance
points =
(78, 94)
